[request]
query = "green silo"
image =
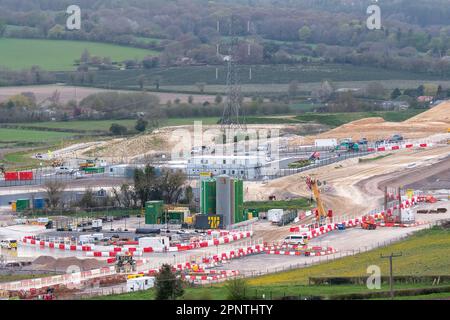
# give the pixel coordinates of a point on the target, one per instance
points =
(208, 197)
(153, 211)
(239, 213)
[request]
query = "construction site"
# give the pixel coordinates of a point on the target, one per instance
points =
(369, 182)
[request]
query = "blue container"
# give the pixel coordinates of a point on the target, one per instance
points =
(341, 226)
(39, 203)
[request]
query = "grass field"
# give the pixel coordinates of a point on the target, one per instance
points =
(95, 125)
(35, 136)
(424, 253)
(59, 55)
(17, 277)
(265, 78)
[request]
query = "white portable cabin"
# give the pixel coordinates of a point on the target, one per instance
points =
(325, 143)
(157, 243)
(139, 284)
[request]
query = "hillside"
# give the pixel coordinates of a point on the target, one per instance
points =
(433, 121)
(440, 113)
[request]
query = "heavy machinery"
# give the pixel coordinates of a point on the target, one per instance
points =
(321, 213)
(347, 145)
(87, 164)
(8, 244)
(56, 163)
(125, 263)
(368, 223)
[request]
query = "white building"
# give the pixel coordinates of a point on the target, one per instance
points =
(246, 167)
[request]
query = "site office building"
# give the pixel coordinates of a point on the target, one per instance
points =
(244, 167)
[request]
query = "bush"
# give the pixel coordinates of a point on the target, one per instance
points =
(141, 125)
(167, 285)
(117, 129)
(236, 289)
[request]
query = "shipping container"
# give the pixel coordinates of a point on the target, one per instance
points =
(94, 170)
(38, 203)
(22, 204)
(26, 175)
(11, 176)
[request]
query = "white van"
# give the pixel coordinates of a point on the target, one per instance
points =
(64, 170)
(296, 239)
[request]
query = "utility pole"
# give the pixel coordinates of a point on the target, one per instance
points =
(400, 205)
(391, 278)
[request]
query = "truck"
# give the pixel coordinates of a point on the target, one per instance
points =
(95, 225)
(325, 143)
(275, 215)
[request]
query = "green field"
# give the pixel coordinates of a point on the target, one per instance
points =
(424, 253)
(274, 78)
(88, 125)
(59, 55)
(34, 136)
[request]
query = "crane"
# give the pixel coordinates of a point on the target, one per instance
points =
(313, 185)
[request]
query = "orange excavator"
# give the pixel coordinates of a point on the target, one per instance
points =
(321, 213)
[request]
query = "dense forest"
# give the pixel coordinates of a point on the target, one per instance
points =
(415, 35)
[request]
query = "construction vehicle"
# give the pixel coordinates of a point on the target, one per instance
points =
(125, 263)
(87, 164)
(57, 163)
(8, 244)
(321, 213)
(347, 145)
(369, 223)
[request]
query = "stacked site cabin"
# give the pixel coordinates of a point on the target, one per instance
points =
(222, 197)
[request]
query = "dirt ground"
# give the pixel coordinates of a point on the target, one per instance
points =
(79, 93)
(345, 192)
(433, 121)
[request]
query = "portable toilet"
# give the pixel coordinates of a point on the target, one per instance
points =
(13, 206)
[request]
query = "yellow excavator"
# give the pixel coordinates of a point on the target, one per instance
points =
(321, 213)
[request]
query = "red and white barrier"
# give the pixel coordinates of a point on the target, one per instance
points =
(106, 251)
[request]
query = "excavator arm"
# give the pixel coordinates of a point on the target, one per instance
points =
(312, 184)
